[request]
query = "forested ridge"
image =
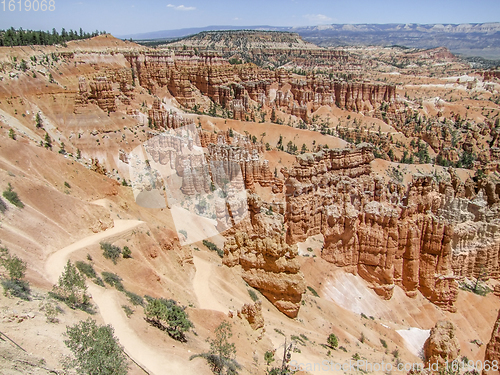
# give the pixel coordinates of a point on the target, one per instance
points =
(20, 37)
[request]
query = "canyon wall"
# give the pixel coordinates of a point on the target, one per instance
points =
(421, 237)
(235, 87)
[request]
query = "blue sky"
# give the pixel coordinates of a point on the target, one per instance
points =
(122, 17)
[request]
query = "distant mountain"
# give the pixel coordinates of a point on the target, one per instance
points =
(179, 33)
(474, 39)
(464, 39)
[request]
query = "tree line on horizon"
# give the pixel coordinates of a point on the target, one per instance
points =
(19, 37)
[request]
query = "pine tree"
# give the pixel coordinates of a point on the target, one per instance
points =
(95, 349)
(38, 120)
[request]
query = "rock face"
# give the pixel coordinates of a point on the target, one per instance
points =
(420, 237)
(241, 88)
(101, 93)
(442, 344)
(268, 263)
(493, 347)
(253, 314)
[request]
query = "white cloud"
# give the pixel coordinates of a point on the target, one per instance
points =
(180, 7)
(318, 18)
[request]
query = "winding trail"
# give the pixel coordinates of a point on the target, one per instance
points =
(154, 361)
(55, 263)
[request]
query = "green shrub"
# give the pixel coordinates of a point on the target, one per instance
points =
(71, 289)
(3, 206)
(269, 357)
(220, 358)
(52, 310)
(277, 330)
(166, 315)
(384, 343)
(86, 268)
(95, 349)
(128, 310)
(16, 288)
(314, 293)
(134, 299)
(12, 197)
(356, 356)
(364, 316)
(67, 185)
(113, 280)
(99, 281)
(15, 268)
(126, 252)
(213, 247)
(253, 295)
(110, 251)
(332, 341)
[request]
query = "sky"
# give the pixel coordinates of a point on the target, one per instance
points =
(122, 17)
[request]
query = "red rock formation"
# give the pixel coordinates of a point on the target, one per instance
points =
(253, 314)
(421, 237)
(491, 75)
(442, 344)
(268, 263)
(493, 347)
(102, 93)
(234, 86)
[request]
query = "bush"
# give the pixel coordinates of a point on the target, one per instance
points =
(213, 247)
(113, 280)
(253, 295)
(110, 251)
(51, 312)
(314, 293)
(166, 315)
(95, 349)
(128, 310)
(269, 357)
(3, 206)
(222, 352)
(384, 344)
(126, 252)
(333, 341)
(135, 299)
(12, 197)
(16, 288)
(86, 268)
(71, 288)
(15, 267)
